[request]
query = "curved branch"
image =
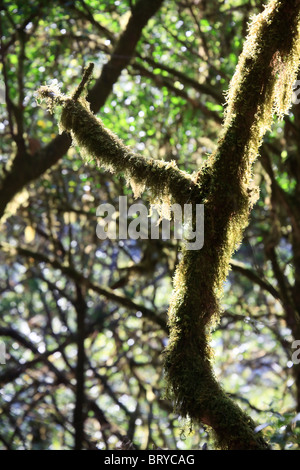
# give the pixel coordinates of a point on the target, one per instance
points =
(123, 52)
(250, 274)
(262, 84)
(27, 168)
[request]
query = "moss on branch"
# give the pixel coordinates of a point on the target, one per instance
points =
(95, 141)
(261, 87)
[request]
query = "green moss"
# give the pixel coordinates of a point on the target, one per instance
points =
(95, 141)
(261, 86)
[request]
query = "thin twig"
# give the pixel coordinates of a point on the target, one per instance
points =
(87, 75)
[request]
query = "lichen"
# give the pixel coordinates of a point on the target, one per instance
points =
(96, 141)
(261, 87)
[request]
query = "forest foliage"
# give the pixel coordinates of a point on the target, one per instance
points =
(84, 320)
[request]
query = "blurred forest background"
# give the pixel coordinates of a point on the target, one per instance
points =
(83, 321)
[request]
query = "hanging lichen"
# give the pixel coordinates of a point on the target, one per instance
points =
(261, 86)
(95, 141)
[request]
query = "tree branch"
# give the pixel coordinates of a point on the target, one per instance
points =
(79, 411)
(262, 84)
(123, 52)
(25, 170)
(250, 274)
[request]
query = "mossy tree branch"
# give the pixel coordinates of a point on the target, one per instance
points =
(25, 167)
(261, 87)
(164, 179)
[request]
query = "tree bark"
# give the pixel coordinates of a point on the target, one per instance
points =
(26, 168)
(261, 86)
(79, 411)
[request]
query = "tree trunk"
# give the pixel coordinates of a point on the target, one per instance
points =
(261, 86)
